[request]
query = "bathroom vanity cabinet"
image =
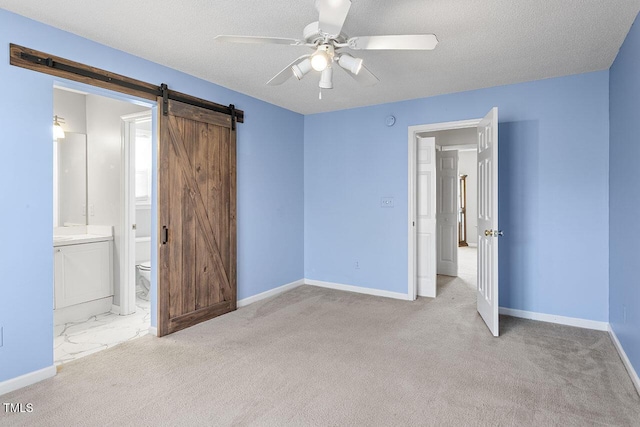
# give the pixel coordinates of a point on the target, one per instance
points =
(83, 272)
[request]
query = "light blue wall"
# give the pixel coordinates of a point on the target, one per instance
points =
(624, 193)
(553, 191)
(269, 179)
(312, 210)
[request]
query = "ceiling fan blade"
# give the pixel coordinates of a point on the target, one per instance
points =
(406, 42)
(365, 77)
(286, 72)
(259, 40)
(332, 15)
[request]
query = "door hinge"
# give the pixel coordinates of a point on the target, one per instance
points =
(165, 234)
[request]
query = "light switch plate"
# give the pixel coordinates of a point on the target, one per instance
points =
(386, 202)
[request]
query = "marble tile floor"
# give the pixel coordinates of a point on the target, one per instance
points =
(78, 339)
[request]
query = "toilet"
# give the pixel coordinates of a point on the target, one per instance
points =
(143, 279)
(143, 267)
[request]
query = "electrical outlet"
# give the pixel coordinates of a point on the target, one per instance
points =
(624, 314)
(358, 265)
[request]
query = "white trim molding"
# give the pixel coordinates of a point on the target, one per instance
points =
(358, 289)
(552, 318)
(625, 360)
(27, 379)
(153, 331)
(271, 292)
(415, 132)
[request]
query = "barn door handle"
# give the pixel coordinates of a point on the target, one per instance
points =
(165, 234)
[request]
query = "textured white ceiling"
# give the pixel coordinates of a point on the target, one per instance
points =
(483, 43)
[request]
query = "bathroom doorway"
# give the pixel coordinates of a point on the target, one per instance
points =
(137, 150)
(96, 305)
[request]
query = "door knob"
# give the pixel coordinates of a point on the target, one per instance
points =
(488, 233)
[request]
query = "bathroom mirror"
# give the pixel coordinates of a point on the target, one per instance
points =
(70, 199)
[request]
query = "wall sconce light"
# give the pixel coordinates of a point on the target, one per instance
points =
(58, 132)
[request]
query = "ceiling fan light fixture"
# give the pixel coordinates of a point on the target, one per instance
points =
(323, 57)
(326, 78)
(349, 63)
(299, 70)
(320, 60)
(325, 36)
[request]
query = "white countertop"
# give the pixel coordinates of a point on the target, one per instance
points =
(76, 235)
(77, 239)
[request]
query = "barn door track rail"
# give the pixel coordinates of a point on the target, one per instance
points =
(60, 67)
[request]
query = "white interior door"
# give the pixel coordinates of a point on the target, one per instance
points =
(426, 217)
(487, 286)
(447, 212)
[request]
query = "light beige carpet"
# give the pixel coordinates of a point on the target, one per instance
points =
(315, 356)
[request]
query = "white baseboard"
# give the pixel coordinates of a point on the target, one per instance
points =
(357, 289)
(153, 331)
(27, 379)
(271, 292)
(625, 360)
(115, 309)
(552, 318)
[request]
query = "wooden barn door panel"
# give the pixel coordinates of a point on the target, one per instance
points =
(197, 205)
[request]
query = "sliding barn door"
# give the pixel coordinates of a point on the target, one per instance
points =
(197, 217)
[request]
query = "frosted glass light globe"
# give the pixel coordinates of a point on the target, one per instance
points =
(319, 61)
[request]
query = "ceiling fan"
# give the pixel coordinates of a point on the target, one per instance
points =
(326, 38)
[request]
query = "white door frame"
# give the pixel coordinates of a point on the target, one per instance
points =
(128, 203)
(414, 133)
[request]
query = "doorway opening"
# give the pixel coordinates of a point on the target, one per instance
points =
(103, 196)
(435, 200)
(176, 107)
(456, 202)
(425, 245)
